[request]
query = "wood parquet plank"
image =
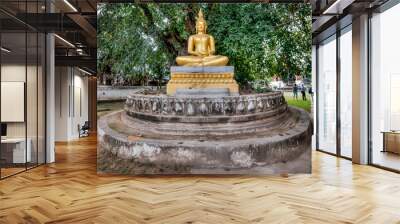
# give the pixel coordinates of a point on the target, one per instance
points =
(70, 191)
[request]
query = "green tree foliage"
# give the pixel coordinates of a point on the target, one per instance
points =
(141, 41)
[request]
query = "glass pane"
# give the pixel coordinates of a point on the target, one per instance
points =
(346, 93)
(385, 85)
(41, 99)
(31, 97)
(327, 96)
(13, 86)
(314, 79)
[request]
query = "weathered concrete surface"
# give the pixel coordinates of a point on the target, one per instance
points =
(276, 145)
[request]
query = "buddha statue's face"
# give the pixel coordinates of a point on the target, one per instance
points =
(201, 27)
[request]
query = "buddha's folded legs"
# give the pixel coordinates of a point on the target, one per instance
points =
(215, 60)
(187, 60)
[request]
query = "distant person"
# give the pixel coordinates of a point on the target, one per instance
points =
(311, 93)
(303, 92)
(295, 90)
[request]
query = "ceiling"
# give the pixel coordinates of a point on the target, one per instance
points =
(73, 21)
(331, 15)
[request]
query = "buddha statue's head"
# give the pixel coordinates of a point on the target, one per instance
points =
(201, 24)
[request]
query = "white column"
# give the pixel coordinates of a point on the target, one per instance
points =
(360, 90)
(50, 100)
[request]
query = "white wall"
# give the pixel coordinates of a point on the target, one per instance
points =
(11, 73)
(80, 109)
(16, 73)
(71, 102)
(62, 81)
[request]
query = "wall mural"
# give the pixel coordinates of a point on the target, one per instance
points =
(202, 117)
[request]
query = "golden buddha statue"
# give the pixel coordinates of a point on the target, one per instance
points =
(201, 48)
(188, 80)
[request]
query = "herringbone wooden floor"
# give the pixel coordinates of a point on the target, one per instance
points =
(70, 191)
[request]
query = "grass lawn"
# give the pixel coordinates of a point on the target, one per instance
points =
(303, 104)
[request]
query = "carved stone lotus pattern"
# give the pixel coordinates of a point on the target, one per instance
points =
(203, 106)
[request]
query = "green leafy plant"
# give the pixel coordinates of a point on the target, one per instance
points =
(141, 41)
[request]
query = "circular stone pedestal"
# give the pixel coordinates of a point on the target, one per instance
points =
(248, 134)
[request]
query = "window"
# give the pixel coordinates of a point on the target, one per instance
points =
(22, 101)
(346, 92)
(327, 95)
(385, 89)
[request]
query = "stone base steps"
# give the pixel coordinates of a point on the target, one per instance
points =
(131, 146)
